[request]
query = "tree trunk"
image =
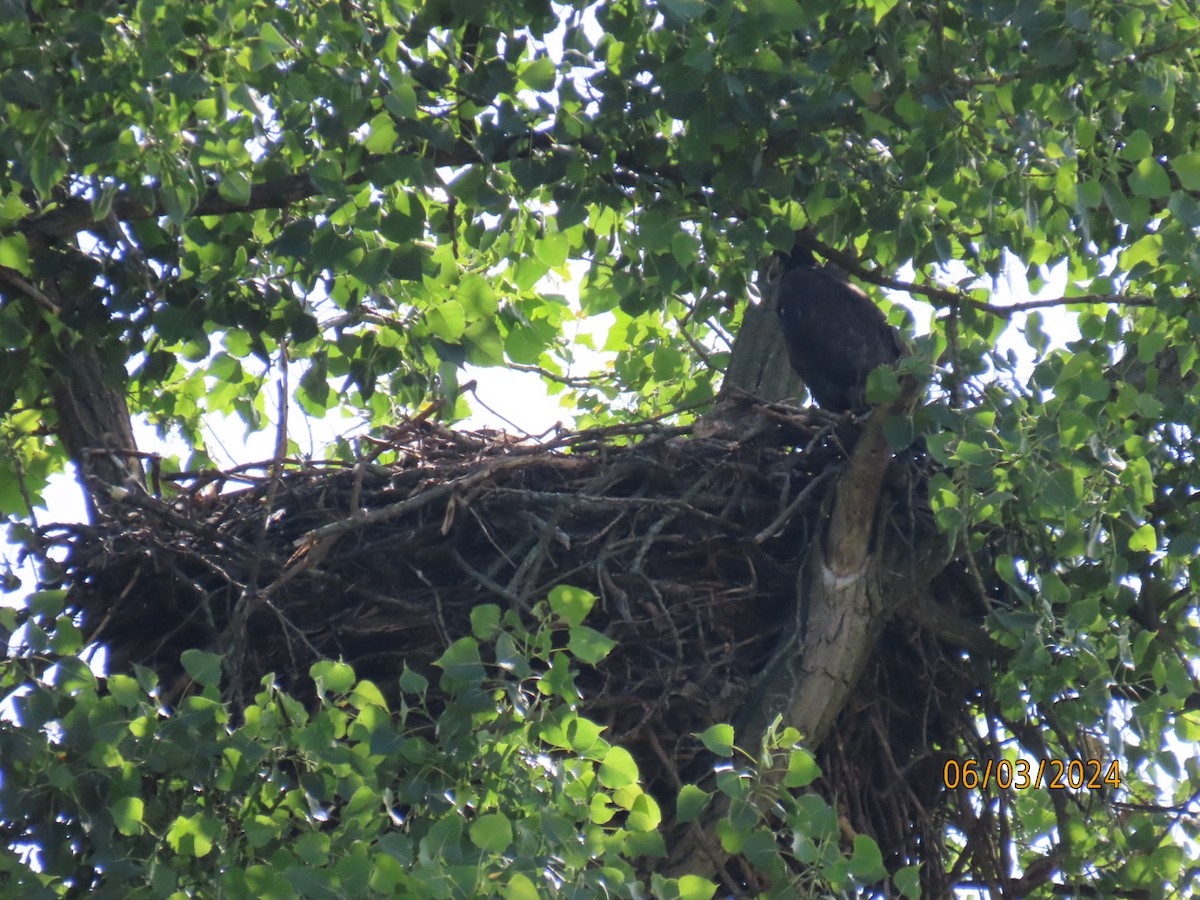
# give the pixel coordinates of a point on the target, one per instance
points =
(94, 426)
(89, 398)
(759, 364)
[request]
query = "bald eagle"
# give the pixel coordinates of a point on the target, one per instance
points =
(835, 335)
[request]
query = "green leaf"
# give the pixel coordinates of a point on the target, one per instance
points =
(367, 694)
(1149, 179)
(192, 835)
(802, 769)
(413, 682)
(477, 297)
(691, 803)
(485, 621)
(235, 187)
(1091, 195)
(461, 663)
(272, 40)
(883, 385)
(177, 202)
(492, 832)
(447, 320)
(787, 15)
(685, 248)
(880, 8)
(203, 668)
(1187, 169)
(618, 769)
(14, 253)
(127, 815)
(408, 264)
(45, 171)
(313, 849)
(1147, 248)
(327, 175)
(718, 739)
(67, 637)
(908, 881)
(588, 645)
(47, 603)
(694, 887)
(571, 604)
(12, 209)
(520, 887)
(761, 848)
(553, 249)
(683, 9)
(265, 883)
(539, 75)
(126, 691)
(583, 735)
(645, 843)
(866, 862)
(1185, 208)
(332, 677)
(403, 101)
(1138, 146)
(1144, 540)
(443, 838)
(381, 134)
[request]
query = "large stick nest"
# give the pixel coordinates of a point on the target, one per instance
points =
(691, 543)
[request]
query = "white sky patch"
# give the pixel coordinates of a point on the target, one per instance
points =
(1012, 288)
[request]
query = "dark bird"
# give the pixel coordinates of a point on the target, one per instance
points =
(835, 335)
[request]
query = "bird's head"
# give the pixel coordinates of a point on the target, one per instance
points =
(778, 264)
(800, 256)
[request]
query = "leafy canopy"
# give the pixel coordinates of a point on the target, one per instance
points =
(378, 192)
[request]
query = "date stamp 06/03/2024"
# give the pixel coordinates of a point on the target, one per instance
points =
(1024, 774)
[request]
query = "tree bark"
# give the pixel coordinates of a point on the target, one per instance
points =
(94, 426)
(845, 593)
(89, 397)
(759, 363)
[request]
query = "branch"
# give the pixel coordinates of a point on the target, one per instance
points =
(14, 278)
(1007, 312)
(76, 214)
(949, 627)
(858, 489)
(951, 297)
(574, 381)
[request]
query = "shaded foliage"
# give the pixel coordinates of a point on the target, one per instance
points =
(514, 794)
